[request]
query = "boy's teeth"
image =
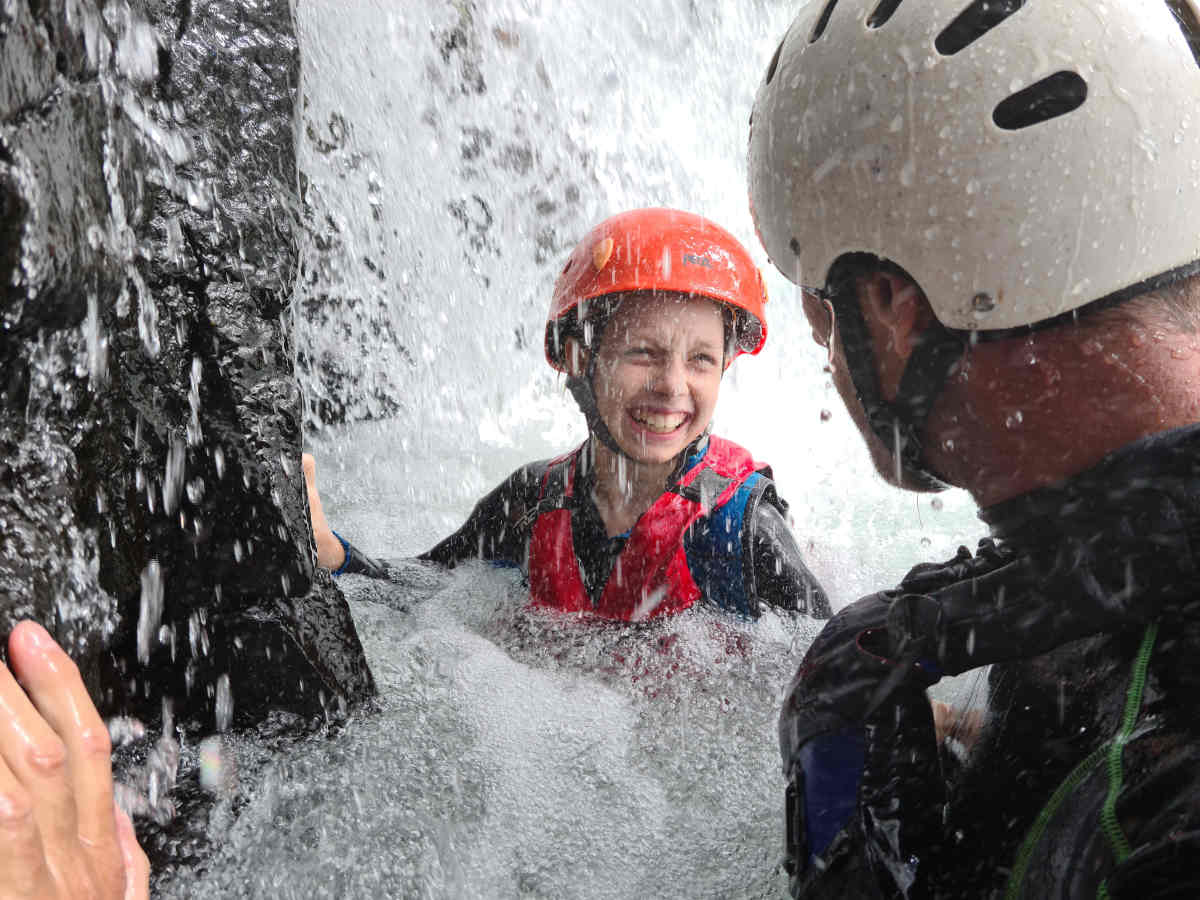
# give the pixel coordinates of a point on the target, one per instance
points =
(661, 424)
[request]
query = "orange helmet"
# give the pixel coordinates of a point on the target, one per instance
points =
(660, 250)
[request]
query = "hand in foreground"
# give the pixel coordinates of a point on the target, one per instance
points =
(61, 834)
(330, 552)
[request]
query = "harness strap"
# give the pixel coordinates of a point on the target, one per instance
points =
(1108, 753)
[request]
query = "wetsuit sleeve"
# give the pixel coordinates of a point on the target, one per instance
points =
(499, 526)
(775, 572)
(358, 563)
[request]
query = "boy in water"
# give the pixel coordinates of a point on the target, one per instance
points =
(652, 512)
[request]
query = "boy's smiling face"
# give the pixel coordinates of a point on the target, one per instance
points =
(658, 372)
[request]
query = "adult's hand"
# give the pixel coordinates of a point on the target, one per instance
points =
(330, 552)
(61, 833)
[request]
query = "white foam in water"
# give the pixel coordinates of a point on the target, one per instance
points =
(523, 754)
(517, 754)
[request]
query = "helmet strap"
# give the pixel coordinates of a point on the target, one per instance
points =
(584, 392)
(900, 423)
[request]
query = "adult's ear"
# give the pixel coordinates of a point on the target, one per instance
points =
(899, 308)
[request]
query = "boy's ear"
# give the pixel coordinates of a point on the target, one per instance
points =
(574, 356)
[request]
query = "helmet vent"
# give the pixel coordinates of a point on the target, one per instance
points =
(882, 13)
(1053, 96)
(822, 21)
(973, 23)
(773, 65)
(1189, 24)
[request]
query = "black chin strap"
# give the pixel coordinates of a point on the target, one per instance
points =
(900, 424)
(584, 393)
(581, 388)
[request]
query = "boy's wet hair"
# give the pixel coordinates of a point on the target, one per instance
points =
(589, 326)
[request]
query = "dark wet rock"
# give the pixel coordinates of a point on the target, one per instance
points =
(152, 510)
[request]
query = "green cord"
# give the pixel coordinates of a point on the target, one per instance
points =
(1110, 753)
(1034, 835)
(1133, 707)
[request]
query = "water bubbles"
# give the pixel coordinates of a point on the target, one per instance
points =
(936, 504)
(224, 704)
(172, 485)
(218, 770)
(96, 341)
(1013, 420)
(826, 415)
(147, 318)
(195, 490)
(150, 608)
(124, 730)
(219, 462)
(195, 435)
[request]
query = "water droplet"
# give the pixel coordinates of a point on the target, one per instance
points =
(1014, 420)
(150, 608)
(826, 415)
(936, 504)
(224, 704)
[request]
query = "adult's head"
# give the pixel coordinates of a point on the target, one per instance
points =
(656, 282)
(952, 175)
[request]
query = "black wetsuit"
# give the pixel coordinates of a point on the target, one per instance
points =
(1086, 776)
(500, 526)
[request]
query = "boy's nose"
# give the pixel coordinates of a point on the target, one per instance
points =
(671, 377)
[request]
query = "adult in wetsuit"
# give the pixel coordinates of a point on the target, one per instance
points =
(652, 513)
(993, 209)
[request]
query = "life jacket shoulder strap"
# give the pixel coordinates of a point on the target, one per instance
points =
(558, 481)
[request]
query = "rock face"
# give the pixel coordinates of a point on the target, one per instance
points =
(152, 510)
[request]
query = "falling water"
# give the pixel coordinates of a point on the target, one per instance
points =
(451, 157)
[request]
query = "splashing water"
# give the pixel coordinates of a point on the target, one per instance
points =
(517, 753)
(451, 161)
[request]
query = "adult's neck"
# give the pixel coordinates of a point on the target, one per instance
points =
(623, 488)
(1028, 412)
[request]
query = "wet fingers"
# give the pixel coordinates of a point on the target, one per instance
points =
(65, 763)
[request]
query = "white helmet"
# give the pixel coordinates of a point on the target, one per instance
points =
(1018, 159)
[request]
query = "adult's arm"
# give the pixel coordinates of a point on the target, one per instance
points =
(61, 833)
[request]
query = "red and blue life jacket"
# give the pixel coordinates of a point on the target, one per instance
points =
(687, 544)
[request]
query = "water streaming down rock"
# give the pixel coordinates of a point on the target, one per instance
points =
(148, 405)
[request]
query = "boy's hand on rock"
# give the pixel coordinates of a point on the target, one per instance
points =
(330, 552)
(61, 833)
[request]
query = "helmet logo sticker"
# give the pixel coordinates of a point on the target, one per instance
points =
(602, 253)
(691, 259)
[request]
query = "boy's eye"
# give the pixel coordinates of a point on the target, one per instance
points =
(705, 359)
